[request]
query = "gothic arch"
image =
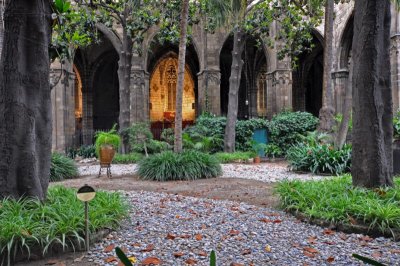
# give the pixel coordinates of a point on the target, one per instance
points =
(253, 87)
(346, 42)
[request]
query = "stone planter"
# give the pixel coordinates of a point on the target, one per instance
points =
(396, 157)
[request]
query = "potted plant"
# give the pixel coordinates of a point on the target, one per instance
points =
(107, 143)
(258, 149)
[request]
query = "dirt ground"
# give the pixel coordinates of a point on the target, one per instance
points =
(241, 190)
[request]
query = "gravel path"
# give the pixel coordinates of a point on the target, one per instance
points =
(181, 230)
(266, 172)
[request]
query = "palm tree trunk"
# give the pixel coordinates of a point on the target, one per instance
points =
(234, 85)
(25, 104)
(327, 111)
(181, 76)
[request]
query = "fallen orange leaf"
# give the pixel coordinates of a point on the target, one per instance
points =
(246, 252)
(308, 254)
(151, 260)
(330, 259)
(312, 240)
(109, 248)
(178, 254)
(328, 232)
(311, 250)
(198, 237)
(110, 259)
(149, 248)
(202, 253)
(170, 236)
(234, 232)
(191, 261)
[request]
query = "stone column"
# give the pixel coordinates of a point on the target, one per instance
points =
(1, 25)
(209, 92)
(63, 106)
(395, 70)
(283, 87)
(271, 96)
(340, 84)
(87, 102)
(138, 106)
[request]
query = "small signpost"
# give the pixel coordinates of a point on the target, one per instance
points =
(86, 194)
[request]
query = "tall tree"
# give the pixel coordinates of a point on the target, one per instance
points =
(372, 158)
(326, 114)
(181, 76)
(25, 128)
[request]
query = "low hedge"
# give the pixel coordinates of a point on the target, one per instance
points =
(62, 168)
(224, 157)
(188, 165)
(30, 224)
(335, 200)
(127, 158)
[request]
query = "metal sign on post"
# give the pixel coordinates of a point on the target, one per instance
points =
(86, 194)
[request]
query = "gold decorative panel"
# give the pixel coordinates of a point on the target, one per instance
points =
(163, 92)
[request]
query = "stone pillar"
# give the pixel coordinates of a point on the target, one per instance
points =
(139, 101)
(395, 70)
(283, 87)
(87, 101)
(340, 84)
(271, 96)
(63, 106)
(1, 25)
(209, 93)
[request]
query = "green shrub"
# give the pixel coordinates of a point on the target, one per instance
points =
(168, 135)
(110, 137)
(396, 125)
(59, 220)
(127, 158)
(224, 157)
(314, 154)
(188, 165)
(87, 151)
(213, 128)
(202, 143)
(336, 200)
(62, 168)
(273, 151)
(285, 128)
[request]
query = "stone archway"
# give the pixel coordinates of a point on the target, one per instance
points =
(163, 92)
(161, 63)
(253, 85)
(105, 91)
(308, 78)
(78, 139)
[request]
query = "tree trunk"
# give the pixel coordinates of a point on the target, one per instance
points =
(181, 76)
(234, 85)
(326, 114)
(372, 157)
(124, 78)
(25, 105)
(344, 125)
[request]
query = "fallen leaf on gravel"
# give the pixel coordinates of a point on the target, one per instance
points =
(203, 226)
(246, 251)
(268, 248)
(366, 238)
(330, 259)
(192, 212)
(234, 232)
(151, 260)
(170, 236)
(52, 262)
(132, 259)
(308, 254)
(312, 240)
(329, 242)
(272, 214)
(202, 253)
(178, 254)
(329, 232)
(109, 248)
(343, 236)
(191, 261)
(110, 259)
(265, 220)
(376, 254)
(185, 236)
(239, 238)
(136, 245)
(277, 221)
(236, 264)
(395, 251)
(149, 248)
(311, 250)
(79, 259)
(198, 237)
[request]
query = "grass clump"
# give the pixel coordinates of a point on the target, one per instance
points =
(62, 168)
(127, 158)
(188, 165)
(29, 223)
(224, 157)
(336, 200)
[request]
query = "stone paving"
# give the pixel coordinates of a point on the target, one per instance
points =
(177, 230)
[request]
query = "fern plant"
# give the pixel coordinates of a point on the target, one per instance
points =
(110, 137)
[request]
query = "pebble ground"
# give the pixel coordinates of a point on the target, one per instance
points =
(177, 230)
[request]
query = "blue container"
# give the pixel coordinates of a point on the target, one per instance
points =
(260, 136)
